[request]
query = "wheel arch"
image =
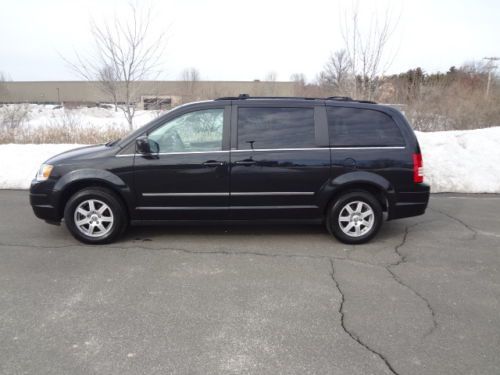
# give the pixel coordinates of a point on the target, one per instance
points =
(372, 183)
(77, 180)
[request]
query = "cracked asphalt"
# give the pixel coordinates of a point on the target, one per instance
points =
(422, 298)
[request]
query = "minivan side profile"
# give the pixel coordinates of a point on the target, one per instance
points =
(338, 160)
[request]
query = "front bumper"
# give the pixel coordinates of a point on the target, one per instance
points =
(41, 201)
(410, 203)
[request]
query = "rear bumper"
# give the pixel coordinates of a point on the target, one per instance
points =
(411, 203)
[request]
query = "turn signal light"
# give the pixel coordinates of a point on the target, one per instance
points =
(44, 172)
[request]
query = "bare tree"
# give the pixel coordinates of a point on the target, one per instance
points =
(271, 76)
(366, 49)
(190, 77)
(125, 54)
(299, 78)
(299, 87)
(270, 87)
(336, 73)
(490, 68)
(109, 81)
(3, 88)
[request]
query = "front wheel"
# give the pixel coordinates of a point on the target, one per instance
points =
(95, 216)
(355, 217)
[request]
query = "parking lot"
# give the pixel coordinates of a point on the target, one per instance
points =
(422, 298)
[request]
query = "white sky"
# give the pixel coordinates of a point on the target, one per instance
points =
(236, 40)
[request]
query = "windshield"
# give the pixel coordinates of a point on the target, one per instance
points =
(125, 140)
(140, 130)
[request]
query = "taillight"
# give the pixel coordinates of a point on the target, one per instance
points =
(418, 169)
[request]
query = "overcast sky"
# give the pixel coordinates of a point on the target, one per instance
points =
(236, 40)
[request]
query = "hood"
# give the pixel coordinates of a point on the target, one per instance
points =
(82, 153)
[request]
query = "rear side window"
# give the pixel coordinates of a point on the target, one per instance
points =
(355, 127)
(261, 128)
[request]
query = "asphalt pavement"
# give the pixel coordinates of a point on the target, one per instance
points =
(422, 298)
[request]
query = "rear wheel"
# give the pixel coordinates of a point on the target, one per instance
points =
(355, 217)
(95, 216)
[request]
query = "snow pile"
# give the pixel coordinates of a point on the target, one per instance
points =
(462, 161)
(50, 115)
(454, 161)
(20, 163)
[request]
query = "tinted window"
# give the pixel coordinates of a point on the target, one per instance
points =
(362, 127)
(194, 131)
(275, 128)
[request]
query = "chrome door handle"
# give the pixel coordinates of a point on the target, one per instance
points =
(245, 162)
(213, 163)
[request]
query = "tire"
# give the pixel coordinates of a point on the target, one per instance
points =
(355, 217)
(95, 215)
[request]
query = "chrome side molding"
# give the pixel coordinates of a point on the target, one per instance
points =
(237, 193)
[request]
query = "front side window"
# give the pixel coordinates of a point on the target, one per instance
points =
(274, 128)
(355, 127)
(194, 131)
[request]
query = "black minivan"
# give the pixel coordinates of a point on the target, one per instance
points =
(342, 161)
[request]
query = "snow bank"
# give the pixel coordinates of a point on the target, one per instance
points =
(40, 115)
(462, 161)
(20, 163)
(454, 161)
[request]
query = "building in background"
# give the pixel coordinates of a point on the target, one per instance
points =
(147, 94)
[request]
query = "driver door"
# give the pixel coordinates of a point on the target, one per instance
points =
(189, 177)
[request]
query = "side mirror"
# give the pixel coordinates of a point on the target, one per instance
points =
(146, 146)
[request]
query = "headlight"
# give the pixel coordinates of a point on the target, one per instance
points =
(44, 172)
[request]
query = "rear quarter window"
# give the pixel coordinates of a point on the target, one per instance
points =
(356, 127)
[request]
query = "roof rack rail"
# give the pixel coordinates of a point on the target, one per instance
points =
(337, 98)
(246, 96)
(239, 97)
(349, 99)
(342, 98)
